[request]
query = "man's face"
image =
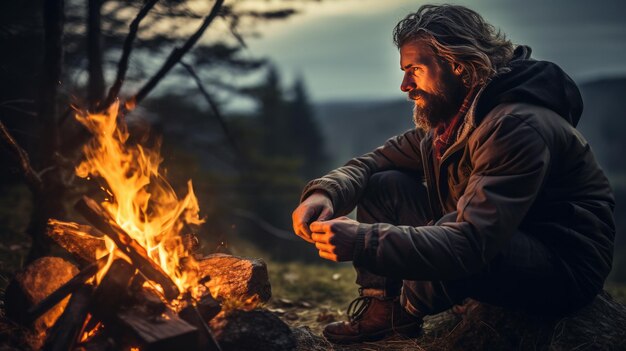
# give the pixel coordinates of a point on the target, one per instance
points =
(433, 84)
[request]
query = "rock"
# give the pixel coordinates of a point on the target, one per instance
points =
(307, 341)
(251, 331)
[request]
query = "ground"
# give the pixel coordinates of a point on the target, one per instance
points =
(304, 295)
(313, 295)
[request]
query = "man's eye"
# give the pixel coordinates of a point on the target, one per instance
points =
(415, 69)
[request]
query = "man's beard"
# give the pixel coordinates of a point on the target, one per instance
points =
(436, 108)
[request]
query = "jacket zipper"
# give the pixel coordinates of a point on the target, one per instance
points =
(435, 207)
(446, 156)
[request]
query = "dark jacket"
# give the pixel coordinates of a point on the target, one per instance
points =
(518, 164)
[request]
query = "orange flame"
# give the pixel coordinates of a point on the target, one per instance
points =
(140, 199)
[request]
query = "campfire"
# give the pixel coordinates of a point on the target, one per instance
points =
(142, 284)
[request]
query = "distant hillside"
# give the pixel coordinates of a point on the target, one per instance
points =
(354, 128)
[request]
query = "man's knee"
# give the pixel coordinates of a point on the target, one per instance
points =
(391, 184)
(394, 197)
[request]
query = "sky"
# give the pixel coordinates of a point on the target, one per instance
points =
(344, 51)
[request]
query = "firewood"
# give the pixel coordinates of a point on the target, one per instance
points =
(103, 221)
(236, 278)
(32, 285)
(192, 315)
(82, 241)
(69, 287)
(112, 292)
(164, 332)
(208, 307)
(199, 313)
(149, 300)
(64, 333)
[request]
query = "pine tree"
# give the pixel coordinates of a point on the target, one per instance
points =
(306, 137)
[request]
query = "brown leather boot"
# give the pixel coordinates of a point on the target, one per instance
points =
(373, 317)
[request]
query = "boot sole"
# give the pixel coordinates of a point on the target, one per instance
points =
(410, 330)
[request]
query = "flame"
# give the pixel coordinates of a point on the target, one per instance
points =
(137, 195)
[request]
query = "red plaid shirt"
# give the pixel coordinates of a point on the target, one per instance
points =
(444, 134)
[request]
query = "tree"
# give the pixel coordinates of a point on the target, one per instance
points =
(52, 166)
(307, 140)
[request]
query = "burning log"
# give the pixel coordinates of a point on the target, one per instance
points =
(82, 241)
(102, 220)
(139, 318)
(32, 285)
(63, 335)
(236, 278)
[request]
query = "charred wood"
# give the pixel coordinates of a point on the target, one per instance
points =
(82, 241)
(103, 221)
(113, 290)
(149, 332)
(64, 334)
(199, 314)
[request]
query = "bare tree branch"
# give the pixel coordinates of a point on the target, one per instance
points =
(122, 66)
(32, 178)
(95, 81)
(233, 30)
(176, 55)
(214, 107)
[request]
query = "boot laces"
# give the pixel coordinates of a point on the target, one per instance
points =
(357, 307)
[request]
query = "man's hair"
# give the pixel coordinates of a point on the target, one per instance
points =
(458, 35)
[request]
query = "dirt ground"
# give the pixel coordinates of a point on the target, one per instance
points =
(303, 295)
(316, 294)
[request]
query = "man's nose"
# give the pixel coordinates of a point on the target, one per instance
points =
(408, 83)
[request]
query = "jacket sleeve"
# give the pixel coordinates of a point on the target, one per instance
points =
(345, 184)
(510, 163)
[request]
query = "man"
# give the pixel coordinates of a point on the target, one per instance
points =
(494, 196)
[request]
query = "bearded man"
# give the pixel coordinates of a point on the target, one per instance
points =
(494, 196)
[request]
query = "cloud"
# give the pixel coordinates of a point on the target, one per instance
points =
(344, 50)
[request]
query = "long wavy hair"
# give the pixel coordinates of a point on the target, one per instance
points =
(458, 35)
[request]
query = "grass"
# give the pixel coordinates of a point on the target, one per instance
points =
(332, 286)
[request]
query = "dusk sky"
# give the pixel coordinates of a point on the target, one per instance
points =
(343, 48)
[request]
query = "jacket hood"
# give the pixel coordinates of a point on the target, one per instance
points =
(535, 82)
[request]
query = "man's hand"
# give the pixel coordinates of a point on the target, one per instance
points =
(335, 238)
(316, 207)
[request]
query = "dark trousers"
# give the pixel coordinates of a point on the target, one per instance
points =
(524, 275)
